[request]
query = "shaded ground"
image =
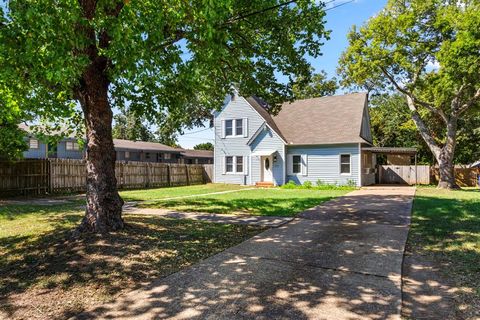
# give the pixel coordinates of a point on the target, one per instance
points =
(264, 202)
(264, 221)
(47, 275)
(343, 264)
(442, 260)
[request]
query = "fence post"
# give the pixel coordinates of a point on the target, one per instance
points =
(188, 174)
(169, 179)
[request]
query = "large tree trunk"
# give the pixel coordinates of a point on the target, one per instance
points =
(444, 155)
(104, 205)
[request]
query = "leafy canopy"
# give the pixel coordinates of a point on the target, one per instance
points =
(204, 146)
(317, 86)
(425, 49)
(171, 61)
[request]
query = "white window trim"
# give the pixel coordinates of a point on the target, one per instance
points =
(30, 144)
(340, 164)
(234, 128)
(290, 165)
(234, 162)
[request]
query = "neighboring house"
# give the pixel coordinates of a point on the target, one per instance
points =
(146, 151)
(126, 150)
(197, 156)
(309, 140)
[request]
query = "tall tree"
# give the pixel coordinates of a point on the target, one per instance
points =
(164, 59)
(130, 126)
(317, 86)
(204, 146)
(426, 50)
(12, 142)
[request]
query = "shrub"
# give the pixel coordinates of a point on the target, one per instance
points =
(308, 185)
(290, 185)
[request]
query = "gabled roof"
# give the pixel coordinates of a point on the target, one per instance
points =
(324, 120)
(142, 145)
(197, 153)
(261, 107)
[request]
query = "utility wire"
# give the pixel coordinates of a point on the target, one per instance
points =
(338, 5)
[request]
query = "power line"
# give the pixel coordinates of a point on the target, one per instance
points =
(193, 132)
(338, 5)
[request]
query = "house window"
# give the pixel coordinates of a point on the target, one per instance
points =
(239, 127)
(296, 164)
(167, 156)
(234, 164)
(229, 164)
(147, 155)
(344, 164)
(127, 154)
(234, 128)
(239, 164)
(228, 128)
(33, 144)
(72, 145)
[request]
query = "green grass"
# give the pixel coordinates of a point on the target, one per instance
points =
(446, 224)
(45, 273)
(155, 194)
(264, 202)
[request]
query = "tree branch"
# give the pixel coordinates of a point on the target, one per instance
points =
(469, 103)
(415, 100)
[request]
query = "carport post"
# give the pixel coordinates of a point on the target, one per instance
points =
(415, 169)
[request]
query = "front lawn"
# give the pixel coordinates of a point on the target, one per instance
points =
(172, 192)
(446, 230)
(264, 202)
(45, 274)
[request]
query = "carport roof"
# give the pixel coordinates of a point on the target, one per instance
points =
(391, 150)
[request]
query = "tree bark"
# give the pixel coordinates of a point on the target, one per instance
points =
(104, 205)
(444, 155)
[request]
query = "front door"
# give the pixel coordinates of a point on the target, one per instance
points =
(267, 175)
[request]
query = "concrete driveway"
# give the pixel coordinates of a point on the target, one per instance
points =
(340, 260)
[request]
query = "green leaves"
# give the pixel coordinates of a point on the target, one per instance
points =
(165, 59)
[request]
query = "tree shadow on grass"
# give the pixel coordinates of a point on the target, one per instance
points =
(442, 263)
(149, 248)
(264, 207)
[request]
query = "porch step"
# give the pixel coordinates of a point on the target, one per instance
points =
(264, 184)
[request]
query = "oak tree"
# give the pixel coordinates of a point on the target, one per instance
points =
(170, 59)
(427, 50)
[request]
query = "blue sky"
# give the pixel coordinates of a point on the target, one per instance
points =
(339, 21)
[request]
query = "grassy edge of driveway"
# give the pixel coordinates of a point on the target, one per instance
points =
(443, 254)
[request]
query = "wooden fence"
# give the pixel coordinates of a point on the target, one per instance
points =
(464, 177)
(43, 176)
(392, 174)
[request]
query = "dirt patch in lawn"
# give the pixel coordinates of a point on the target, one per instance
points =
(51, 276)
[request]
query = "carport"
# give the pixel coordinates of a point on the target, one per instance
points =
(399, 168)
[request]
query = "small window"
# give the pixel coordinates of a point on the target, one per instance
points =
(345, 164)
(127, 154)
(296, 164)
(239, 127)
(239, 164)
(229, 128)
(33, 144)
(147, 155)
(72, 145)
(229, 164)
(167, 156)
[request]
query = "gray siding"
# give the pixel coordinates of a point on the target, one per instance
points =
(323, 162)
(63, 153)
(237, 108)
(39, 153)
(268, 140)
